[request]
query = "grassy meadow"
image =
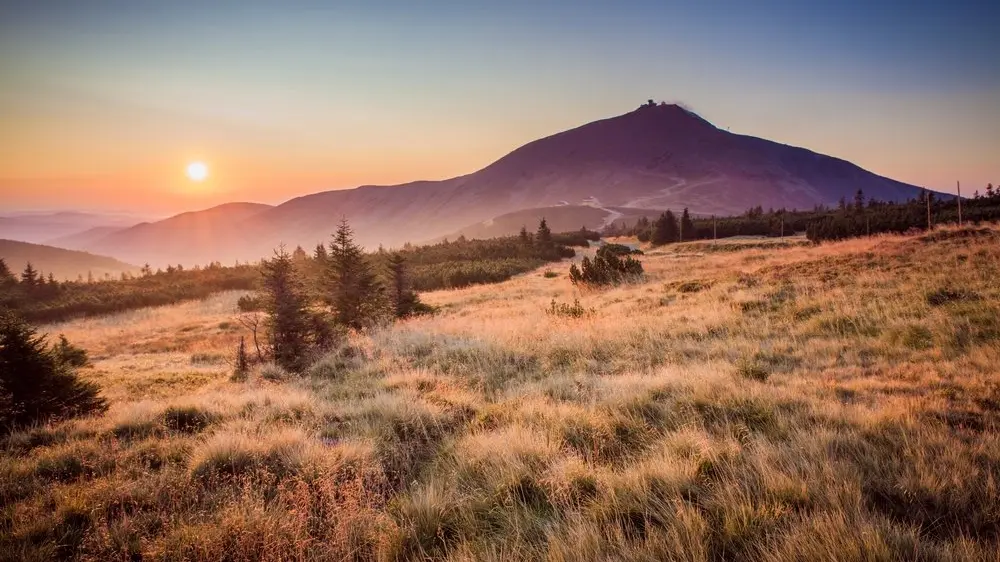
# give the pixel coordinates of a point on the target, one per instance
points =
(752, 402)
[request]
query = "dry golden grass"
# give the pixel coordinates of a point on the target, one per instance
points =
(833, 402)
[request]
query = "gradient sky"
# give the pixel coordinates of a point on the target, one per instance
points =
(103, 103)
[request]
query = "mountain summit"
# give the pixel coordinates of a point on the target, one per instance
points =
(656, 157)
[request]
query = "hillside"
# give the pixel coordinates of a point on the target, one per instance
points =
(61, 263)
(655, 157)
(79, 240)
(192, 238)
(42, 228)
(766, 405)
(562, 218)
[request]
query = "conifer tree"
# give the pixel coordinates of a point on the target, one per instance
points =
(665, 230)
(7, 277)
(35, 382)
(405, 301)
(524, 236)
(355, 293)
(29, 277)
(543, 236)
(687, 226)
(288, 317)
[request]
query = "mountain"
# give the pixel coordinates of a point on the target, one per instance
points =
(61, 263)
(42, 227)
(196, 237)
(80, 240)
(656, 157)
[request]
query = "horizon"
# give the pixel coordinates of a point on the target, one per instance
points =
(281, 102)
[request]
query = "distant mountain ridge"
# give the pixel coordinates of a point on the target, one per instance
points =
(655, 157)
(61, 263)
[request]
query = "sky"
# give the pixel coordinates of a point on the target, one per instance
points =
(103, 104)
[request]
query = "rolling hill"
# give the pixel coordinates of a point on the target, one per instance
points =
(40, 228)
(61, 263)
(655, 157)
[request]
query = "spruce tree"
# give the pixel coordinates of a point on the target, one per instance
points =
(665, 230)
(355, 293)
(687, 226)
(7, 277)
(524, 236)
(288, 329)
(543, 236)
(36, 383)
(29, 277)
(405, 301)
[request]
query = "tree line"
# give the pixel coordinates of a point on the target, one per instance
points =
(859, 216)
(445, 265)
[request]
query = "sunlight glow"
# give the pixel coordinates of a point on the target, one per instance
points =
(197, 171)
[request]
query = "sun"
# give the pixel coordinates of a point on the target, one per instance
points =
(197, 171)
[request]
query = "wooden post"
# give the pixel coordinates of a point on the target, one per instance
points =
(959, 184)
(782, 228)
(868, 225)
(714, 238)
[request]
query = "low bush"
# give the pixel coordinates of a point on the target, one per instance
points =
(575, 310)
(608, 267)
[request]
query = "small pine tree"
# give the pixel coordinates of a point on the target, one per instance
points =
(288, 316)
(665, 229)
(355, 293)
(543, 236)
(405, 301)
(687, 226)
(7, 277)
(241, 365)
(990, 192)
(29, 277)
(36, 385)
(524, 236)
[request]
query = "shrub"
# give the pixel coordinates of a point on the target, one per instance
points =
(607, 268)
(69, 354)
(576, 310)
(36, 385)
(549, 274)
(249, 303)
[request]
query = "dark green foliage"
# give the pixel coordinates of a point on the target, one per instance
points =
(405, 301)
(61, 301)
(687, 231)
(35, 384)
(357, 297)
(30, 276)
(581, 238)
(665, 230)
(543, 236)
(620, 250)
(860, 217)
(69, 354)
(607, 268)
(241, 363)
(250, 303)
(7, 278)
(288, 328)
(575, 310)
